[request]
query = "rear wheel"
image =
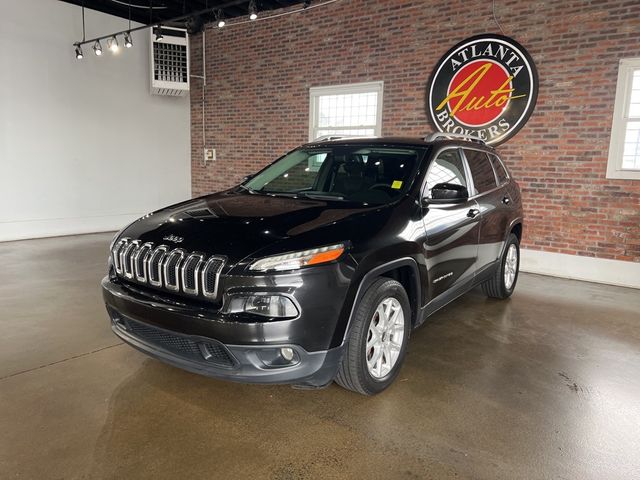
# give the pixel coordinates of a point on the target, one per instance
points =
(377, 342)
(503, 282)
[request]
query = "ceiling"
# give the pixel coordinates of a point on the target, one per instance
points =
(167, 9)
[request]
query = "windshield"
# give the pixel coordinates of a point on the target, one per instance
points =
(352, 173)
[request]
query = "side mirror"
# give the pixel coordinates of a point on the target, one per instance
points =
(449, 193)
(248, 177)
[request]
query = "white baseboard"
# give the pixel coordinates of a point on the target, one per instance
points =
(599, 270)
(63, 226)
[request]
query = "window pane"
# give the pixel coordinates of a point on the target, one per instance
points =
(315, 162)
(360, 173)
(447, 168)
(634, 101)
(356, 132)
(294, 172)
(348, 110)
(481, 171)
(631, 155)
(501, 173)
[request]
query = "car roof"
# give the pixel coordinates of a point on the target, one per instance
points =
(399, 141)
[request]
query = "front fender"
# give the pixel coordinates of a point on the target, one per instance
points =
(367, 277)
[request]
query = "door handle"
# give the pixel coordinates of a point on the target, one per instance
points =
(473, 213)
(506, 200)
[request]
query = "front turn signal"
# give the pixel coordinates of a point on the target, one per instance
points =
(296, 260)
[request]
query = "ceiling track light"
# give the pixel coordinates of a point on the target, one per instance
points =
(156, 28)
(220, 19)
(253, 10)
(97, 48)
(112, 44)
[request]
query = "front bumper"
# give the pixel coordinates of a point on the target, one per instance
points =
(193, 341)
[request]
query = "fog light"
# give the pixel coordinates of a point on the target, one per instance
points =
(287, 353)
(278, 357)
(277, 306)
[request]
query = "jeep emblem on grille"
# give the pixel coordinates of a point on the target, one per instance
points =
(173, 238)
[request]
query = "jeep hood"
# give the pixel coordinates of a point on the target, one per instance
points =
(239, 224)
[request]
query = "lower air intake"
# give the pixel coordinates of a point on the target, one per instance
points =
(209, 351)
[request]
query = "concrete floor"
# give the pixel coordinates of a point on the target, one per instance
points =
(545, 385)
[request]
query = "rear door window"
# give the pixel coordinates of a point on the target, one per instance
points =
(501, 172)
(484, 179)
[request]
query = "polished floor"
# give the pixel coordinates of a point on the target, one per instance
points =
(545, 385)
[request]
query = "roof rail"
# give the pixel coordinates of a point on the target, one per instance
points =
(328, 138)
(454, 136)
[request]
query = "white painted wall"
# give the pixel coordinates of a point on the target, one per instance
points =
(84, 146)
(598, 270)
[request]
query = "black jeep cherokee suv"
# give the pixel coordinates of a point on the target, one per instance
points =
(318, 267)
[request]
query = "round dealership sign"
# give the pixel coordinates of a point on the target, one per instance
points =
(485, 86)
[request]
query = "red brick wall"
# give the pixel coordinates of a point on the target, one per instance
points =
(259, 74)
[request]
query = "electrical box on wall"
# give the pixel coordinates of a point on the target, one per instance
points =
(169, 61)
(209, 155)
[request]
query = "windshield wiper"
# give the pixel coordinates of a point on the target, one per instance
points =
(320, 196)
(250, 190)
(278, 194)
(311, 195)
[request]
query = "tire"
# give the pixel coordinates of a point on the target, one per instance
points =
(499, 285)
(354, 372)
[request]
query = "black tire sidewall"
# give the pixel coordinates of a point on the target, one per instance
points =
(378, 292)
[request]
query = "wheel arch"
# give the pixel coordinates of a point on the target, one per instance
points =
(405, 271)
(515, 227)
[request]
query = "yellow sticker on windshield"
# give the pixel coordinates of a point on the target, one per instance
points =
(397, 185)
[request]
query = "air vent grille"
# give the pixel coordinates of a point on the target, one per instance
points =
(170, 62)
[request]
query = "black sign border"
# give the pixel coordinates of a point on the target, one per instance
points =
(486, 36)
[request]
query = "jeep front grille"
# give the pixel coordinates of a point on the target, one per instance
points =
(172, 270)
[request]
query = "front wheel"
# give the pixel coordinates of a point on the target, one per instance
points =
(377, 342)
(503, 282)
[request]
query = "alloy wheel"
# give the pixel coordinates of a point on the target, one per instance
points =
(510, 266)
(385, 337)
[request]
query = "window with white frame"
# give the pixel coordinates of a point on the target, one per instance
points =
(350, 110)
(624, 149)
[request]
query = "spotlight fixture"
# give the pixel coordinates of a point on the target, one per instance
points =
(97, 48)
(221, 22)
(307, 4)
(112, 44)
(253, 10)
(127, 35)
(79, 52)
(159, 33)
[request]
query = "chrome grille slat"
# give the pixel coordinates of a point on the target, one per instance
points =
(211, 276)
(127, 254)
(140, 262)
(117, 264)
(154, 265)
(174, 270)
(189, 276)
(171, 269)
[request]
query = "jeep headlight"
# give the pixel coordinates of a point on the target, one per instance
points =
(296, 260)
(267, 305)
